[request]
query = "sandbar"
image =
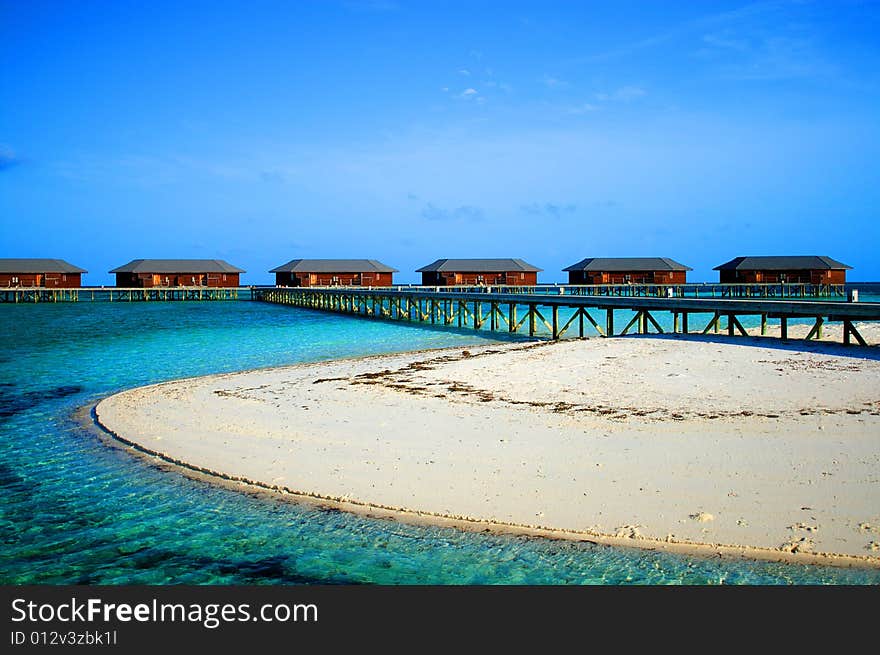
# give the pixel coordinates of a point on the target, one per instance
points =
(735, 446)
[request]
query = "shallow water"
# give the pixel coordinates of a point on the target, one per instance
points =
(73, 510)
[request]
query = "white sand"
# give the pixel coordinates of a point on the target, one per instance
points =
(683, 441)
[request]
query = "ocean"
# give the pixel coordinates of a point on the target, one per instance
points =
(74, 510)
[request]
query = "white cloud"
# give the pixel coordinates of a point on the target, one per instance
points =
(469, 93)
(548, 209)
(467, 213)
(628, 93)
(623, 94)
(554, 82)
(8, 158)
(465, 72)
(583, 109)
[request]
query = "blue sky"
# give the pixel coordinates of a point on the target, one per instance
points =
(260, 132)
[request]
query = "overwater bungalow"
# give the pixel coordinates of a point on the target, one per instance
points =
(453, 272)
(809, 269)
(627, 270)
(48, 273)
(150, 273)
(333, 272)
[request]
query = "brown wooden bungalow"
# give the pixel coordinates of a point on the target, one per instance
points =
(48, 273)
(149, 273)
(627, 270)
(811, 269)
(453, 272)
(333, 272)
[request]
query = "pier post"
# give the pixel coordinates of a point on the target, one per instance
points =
(783, 328)
(684, 322)
(511, 317)
(554, 310)
(609, 322)
(531, 320)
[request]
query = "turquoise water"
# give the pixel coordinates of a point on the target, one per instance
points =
(73, 510)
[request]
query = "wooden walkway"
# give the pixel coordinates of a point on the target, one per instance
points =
(116, 294)
(700, 290)
(538, 315)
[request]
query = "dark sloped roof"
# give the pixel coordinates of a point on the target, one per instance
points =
(479, 266)
(38, 266)
(797, 262)
(628, 264)
(177, 266)
(333, 266)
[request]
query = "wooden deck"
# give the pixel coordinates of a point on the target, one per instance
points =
(538, 315)
(692, 290)
(117, 294)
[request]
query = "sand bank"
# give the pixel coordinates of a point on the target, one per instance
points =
(652, 442)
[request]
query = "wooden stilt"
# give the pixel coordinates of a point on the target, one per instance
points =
(650, 319)
(816, 330)
(713, 323)
(635, 319)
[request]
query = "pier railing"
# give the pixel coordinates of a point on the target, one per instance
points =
(693, 290)
(539, 315)
(702, 290)
(121, 294)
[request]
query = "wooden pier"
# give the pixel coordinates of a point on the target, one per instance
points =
(691, 290)
(538, 315)
(195, 293)
(117, 294)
